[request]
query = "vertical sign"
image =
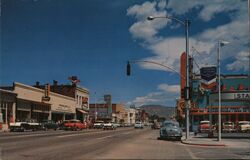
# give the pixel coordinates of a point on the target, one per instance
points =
(208, 76)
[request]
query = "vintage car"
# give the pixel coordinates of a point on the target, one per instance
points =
(139, 125)
(156, 125)
(204, 127)
(98, 124)
(30, 124)
(228, 127)
(19, 126)
(74, 125)
(243, 126)
(109, 125)
(49, 124)
(170, 129)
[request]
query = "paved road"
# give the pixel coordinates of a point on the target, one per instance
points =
(123, 143)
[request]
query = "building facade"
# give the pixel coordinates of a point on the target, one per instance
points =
(235, 98)
(7, 108)
(101, 111)
(78, 93)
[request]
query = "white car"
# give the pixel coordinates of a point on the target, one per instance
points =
(25, 125)
(98, 124)
(139, 125)
(243, 126)
(109, 125)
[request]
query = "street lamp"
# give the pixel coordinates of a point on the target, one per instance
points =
(186, 23)
(220, 44)
(152, 62)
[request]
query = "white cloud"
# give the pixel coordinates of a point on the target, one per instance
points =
(165, 94)
(143, 29)
(242, 62)
(169, 88)
(168, 52)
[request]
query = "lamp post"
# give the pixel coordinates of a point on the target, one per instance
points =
(186, 23)
(220, 44)
(95, 108)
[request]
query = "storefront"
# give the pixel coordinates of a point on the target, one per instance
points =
(30, 103)
(37, 104)
(235, 101)
(82, 103)
(62, 107)
(7, 108)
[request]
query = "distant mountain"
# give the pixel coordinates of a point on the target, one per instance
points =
(161, 111)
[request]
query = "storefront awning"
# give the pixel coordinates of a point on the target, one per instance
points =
(82, 111)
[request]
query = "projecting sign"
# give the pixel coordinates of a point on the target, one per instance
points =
(208, 73)
(208, 76)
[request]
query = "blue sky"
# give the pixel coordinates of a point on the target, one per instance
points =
(46, 40)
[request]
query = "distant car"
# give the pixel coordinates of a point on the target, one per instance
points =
(74, 125)
(49, 124)
(109, 125)
(204, 126)
(34, 124)
(170, 129)
(243, 126)
(156, 125)
(117, 125)
(228, 126)
(139, 125)
(98, 125)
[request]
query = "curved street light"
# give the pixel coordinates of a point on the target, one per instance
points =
(153, 62)
(186, 24)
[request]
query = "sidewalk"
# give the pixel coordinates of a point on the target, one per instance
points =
(203, 140)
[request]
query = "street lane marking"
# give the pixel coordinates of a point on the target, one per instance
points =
(191, 153)
(105, 137)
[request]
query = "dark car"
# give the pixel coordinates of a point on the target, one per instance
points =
(156, 125)
(48, 124)
(170, 129)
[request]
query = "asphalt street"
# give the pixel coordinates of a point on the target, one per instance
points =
(123, 143)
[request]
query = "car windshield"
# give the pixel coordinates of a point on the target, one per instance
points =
(244, 123)
(170, 124)
(206, 122)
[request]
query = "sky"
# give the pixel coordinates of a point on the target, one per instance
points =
(46, 40)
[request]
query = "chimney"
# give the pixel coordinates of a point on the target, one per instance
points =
(37, 83)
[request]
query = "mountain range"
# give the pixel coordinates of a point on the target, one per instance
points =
(160, 110)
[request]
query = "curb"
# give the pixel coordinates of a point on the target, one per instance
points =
(202, 144)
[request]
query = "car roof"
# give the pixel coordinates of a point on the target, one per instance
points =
(175, 122)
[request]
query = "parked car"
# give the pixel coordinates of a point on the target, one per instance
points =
(228, 127)
(74, 125)
(204, 126)
(25, 125)
(49, 124)
(98, 124)
(243, 126)
(19, 126)
(156, 125)
(109, 125)
(117, 125)
(170, 129)
(139, 125)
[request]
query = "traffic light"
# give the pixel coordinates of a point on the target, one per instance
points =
(128, 69)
